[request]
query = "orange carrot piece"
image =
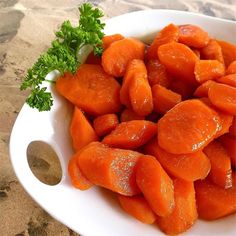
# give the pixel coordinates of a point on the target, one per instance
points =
(193, 36)
(228, 79)
(214, 202)
(116, 57)
(81, 131)
(229, 143)
(91, 89)
(231, 69)
(109, 39)
(232, 129)
(78, 180)
(202, 90)
(110, 168)
(157, 73)
(179, 61)
(164, 99)
(212, 51)
(135, 68)
(105, 124)
(156, 185)
(197, 52)
(128, 115)
(189, 167)
(223, 97)
(137, 207)
(184, 214)
(208, 70)
(182, 88)
(138, 88)
(188, 127)
(221, 172)
(131, 134)
(229, 51)
(168, 34)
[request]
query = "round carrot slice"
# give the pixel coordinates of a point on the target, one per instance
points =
(187, 127)
(228, 79)
(179, 60)
(193, 36)
(223, 97)
(116, 57)
(231, 68)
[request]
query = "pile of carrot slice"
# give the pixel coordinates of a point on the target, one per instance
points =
(156, 124)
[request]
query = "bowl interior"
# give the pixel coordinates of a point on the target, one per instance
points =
(96, 211)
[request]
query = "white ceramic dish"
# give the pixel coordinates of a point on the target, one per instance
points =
(95, 212)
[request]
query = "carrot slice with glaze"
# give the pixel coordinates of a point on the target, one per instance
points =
(137, 207)
(223, 97)
(164, 99)
(212, 51)
(109, 39)
(229, 51)
(116, 57)
(231, 69)
(110, 168)
(131, 134)
(91, 89)
(179, 61)
(189, 167)
(184, 214)
(168, 34)
(202, 90)
(156, 185)
(221, 172)
(214, 202)
(228, 79)
(188, 127)
(157, 73)
(193, 36)
(128, 115)
(208, 70)
(81, 131)
(105, 124)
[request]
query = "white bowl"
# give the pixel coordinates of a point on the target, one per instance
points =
(95, 211)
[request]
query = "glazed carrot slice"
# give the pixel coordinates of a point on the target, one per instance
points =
(137, 207)
(208, 70)
(81, 131)
(231, 69)
(109, 39)
(223, 97)
(229, 143)
(184, 214)
(135, 69)
(164, 99)
(214, 202)
(228, 79)
(188, 127)
(189, 167)
(197, 52)
(202, 90)
(116, 57)
(128, 115)
(78, 180)
(131, 134)
(91, 89)
(136, 89)
(212, 51)
(193, 36)
(110, 168)
(105, 124)
(221, 172)
(156, 185)
(157, 73)
(168, 34)
(179, 61)
(232, 129)
(225, 119)
(182, 88)
(229, 51)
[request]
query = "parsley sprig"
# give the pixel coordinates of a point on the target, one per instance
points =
(62, 55)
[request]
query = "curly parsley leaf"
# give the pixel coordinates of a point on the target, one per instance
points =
(62, 55)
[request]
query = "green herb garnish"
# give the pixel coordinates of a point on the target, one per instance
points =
(62, 55)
